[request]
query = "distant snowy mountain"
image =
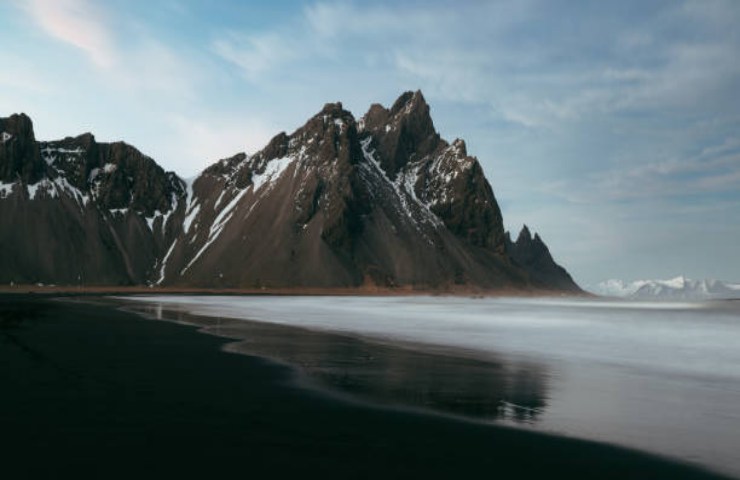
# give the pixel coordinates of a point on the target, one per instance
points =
(679, 288)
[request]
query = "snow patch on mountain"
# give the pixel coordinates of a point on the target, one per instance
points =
(193, 210)
(6, 189)
(403, 186)
(164, 262)
(55, 188)
(43, 185)
(50, 154)
(273, 170)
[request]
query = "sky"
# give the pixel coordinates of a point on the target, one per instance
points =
(611, 128)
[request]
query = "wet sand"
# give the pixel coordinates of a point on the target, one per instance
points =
(88, 389)
(444, 380)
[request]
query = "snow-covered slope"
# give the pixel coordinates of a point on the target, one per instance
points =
(679, 288)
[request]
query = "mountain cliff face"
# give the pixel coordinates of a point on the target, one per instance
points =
(341, 202)
(80, 212)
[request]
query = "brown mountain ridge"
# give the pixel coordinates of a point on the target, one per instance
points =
(379, 201)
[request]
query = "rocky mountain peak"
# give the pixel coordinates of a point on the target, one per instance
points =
(226, 167)
(525, 236)
(460, 147)
(376, 116)
(383, 201)
(403, 134)
(20, 158)
(333, 109)
(530, 245)
(330, 135)
(116, 175)
(133, 180)
(410, 101)
(277, 147)
(332, 115)
(86, 140)
(532, 254)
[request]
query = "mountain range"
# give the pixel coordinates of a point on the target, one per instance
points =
(679, 288)
(376, 202)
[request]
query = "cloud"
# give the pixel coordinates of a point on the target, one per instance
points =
(143, 63)
(79, 23)
(257, 54)
(713, 171)
(339, 20)
(334, 33)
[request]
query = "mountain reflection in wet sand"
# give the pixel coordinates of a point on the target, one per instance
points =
(435, 378)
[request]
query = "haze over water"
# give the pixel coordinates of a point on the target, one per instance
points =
(660, 377)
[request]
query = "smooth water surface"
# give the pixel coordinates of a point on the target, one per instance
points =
(661, 377)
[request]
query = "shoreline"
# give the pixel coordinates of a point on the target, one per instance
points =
(196, 408)
(369, 291)
(248, 337)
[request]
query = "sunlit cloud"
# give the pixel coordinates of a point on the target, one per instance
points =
(79, 23)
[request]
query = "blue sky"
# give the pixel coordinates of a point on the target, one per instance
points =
(612, 128)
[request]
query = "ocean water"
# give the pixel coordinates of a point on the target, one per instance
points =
(659, 377)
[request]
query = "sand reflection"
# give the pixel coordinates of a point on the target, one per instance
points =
(438, 378)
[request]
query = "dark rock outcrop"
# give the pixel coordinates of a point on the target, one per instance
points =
(534, 257)
(19, 152)
(402, 134)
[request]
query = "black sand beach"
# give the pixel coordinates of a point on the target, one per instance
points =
(93, 391)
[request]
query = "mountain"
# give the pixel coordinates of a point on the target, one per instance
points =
(380, 201)
(679, 288)
(76, 211)
(533, 255)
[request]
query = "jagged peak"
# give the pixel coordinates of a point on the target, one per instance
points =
(524, 235)
(86, 138)
(411, 106)
(18, 117)
(277, 147)
(15, 117)
(331, 113)
(85, 141)
(459, 145)
(403, 134)
(19, 123)
(226, 166)
(409, 101)
(325, 127)
(19, 152)
(334, 108)
(377, 108)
